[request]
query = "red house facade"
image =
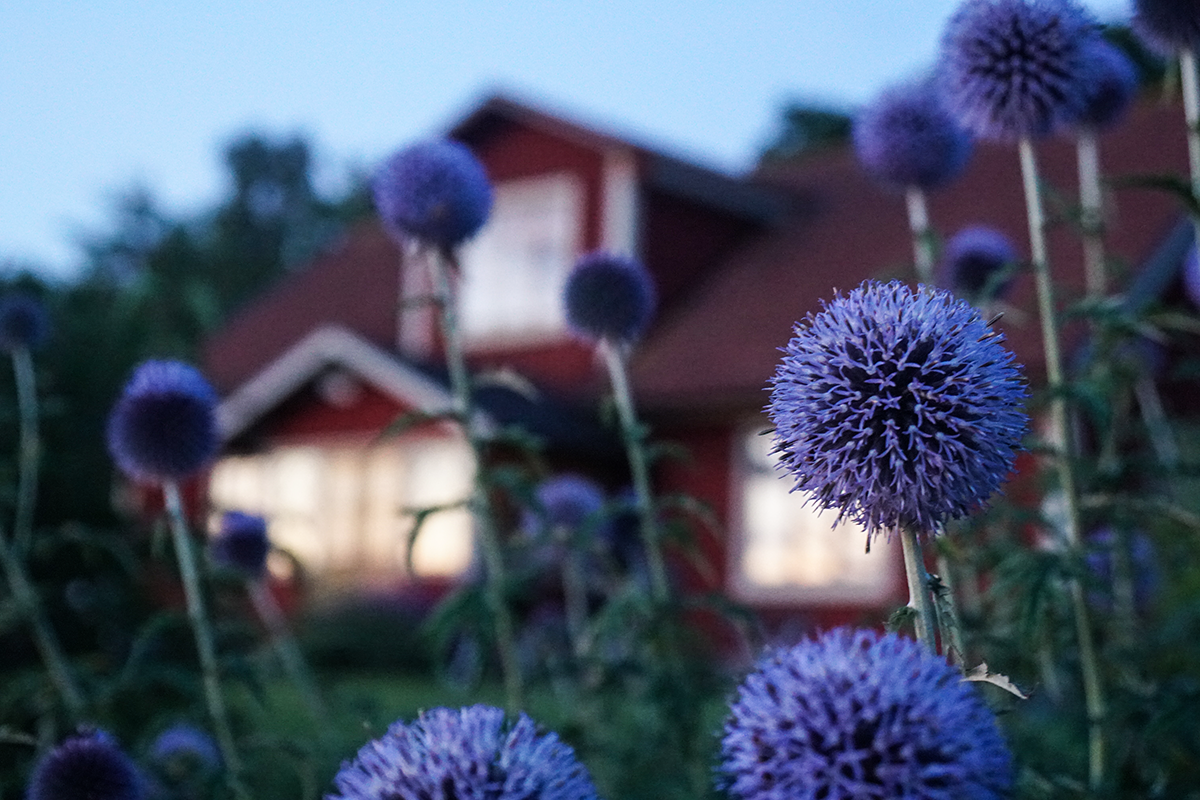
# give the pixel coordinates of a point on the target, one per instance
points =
(316, 369)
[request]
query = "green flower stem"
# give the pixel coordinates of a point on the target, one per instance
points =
(43, 635)
(918, 588)
(1089, 663)
(575, 599)
(30, 448)
(442, 263)
(922, 234)
(1190, 84)
(203, 633)
(1091, 212)
(639, 467)
(285, 645)
(949, 620)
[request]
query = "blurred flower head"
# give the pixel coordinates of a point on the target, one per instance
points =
(1104, 547)
(609, 297)
(242, 544)
(1015, 68)
(163, 425)
(568, 500)
(469, 753)
(906, 138)
(1110, 83)
(1191, 276)
(1168, 25)
(978, 262)
(23, 321)
(856, 714)
(89, 766)
(436, 192)
(897, 408)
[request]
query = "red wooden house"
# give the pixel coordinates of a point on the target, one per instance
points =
(318, 366)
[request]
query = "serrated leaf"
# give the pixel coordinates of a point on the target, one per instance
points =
(1171, 184)
(982, 675)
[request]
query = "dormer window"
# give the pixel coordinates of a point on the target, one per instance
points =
(515, 269)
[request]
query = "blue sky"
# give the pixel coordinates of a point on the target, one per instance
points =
(96, 98)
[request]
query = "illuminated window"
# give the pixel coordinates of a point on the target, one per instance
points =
(515, 270)
(785, 551)
(339, 508)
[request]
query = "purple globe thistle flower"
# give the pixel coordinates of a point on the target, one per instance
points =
(187, 746)
(436, 192)
(978, 263)
(853, 714)
(897, 407)
(1168, 25)
(1142, 563)
(163, 426)
(242, 544)
(89, 766)
(470, 753)
(1110, 84)
(609, 297)
(906, 138)
(1191, 276)
(568, 500)
(1014, 68)
(23, 321)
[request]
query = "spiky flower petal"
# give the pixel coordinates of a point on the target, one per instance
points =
(469, 753)
(1110, 84)
(855, 715)
(1168, 25)
(1014, 68)
(88, 766)
(609, 297)
(436, 192)
(906, 138)
(978, 263)
(163, 426)
(23, 321)
(897, 408)
(242, 544)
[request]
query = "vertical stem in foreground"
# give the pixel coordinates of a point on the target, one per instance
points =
(285, 645)
(639, 467)
(202, 631)
(493, 557)
(30, 448)
(1089, 663)
(1190, 83)
(1091, 212)
(922, 234)
(918, 588)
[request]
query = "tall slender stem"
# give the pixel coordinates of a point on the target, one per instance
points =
(639, 467)
(285, 645)
(1089, 663)
(493, 555)
(1190, 84)
(1091, 207)
(44, 639)
(922, 234)
(30, 448)
(952, 628)
(203, 634)
(918, 588)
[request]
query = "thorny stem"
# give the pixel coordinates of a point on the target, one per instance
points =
(442, 263)
(285, 645)
(922, 234)
(1089, 663)
(639, 467)
(918, 588)
(30, 449)
(1190, 84)
(203, 634)
(1091, 207)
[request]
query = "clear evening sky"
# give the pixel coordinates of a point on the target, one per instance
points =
(98, 97)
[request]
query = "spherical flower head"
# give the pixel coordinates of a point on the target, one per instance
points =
(897, 408)
(1014, 68)
(905, 138)
(1141, 561)
(978, 262)
(436, 192)
(1191, 276)
(856, 714)
(1168, 25)
(469, 753)
(1109, 86)
(23, 321)
(183, 751)
(609, 297)
(242, 544)
(569, 500)
(88, 766)
(163, 426)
